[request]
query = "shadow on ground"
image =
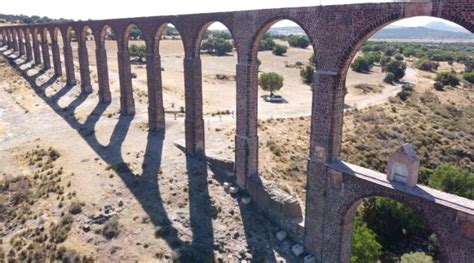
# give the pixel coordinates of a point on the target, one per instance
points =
(145, 187)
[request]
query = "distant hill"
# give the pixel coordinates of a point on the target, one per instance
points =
(432, 31)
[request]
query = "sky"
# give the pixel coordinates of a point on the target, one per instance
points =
(106, 9)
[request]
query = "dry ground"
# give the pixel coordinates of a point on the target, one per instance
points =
(113, 165)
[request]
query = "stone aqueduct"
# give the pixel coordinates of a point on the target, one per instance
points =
(334, 188)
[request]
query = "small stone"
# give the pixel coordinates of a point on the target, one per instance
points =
(226, 186)
(86, 227)
(233, 190)
(309, 259)
(297, 249)
(246, 200)
(281, 235)
(120, 203)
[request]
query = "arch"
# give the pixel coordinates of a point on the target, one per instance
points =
(127, 32)
(356, 43)
(348, 212)
(159, 34)
(268, 24)
(104, 32)
(86, 31)
(205, 28)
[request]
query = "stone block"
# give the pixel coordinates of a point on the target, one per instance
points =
(233, 189)
(246, 200)
(297, 249)
(309, 259)
(281, 235)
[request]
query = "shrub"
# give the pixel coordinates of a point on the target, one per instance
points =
(384, 60)
(453, 179)
(406, 92)
(75, 208)
(361, 64)
(298, 41)
(365, 247)
(397, 68)
(398, 57)
(372, 57)
(389, 78)
(266, 44)
(438, 86)
(270, 81)
(426, 65)
(307, 74)
(469, 76)
(279, 50)
(138, 51)
(110, 229)
(217, 46)
(447, 78)
(416, 257)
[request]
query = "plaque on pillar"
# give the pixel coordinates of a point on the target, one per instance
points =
(403, 166)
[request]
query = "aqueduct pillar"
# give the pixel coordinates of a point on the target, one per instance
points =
(21, 43)
(69, 63)
(45, 50)
(56, 57)
(102, 71)
(29, 51)
(15, 41)
(194, 123)
(246, 138)
(85, 74)
(127, 103)
(156, 110)
(36, 48)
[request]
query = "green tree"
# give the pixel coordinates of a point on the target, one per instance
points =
(469, 76)
(361, 64)
(365, 247)
(270, 81)
(452, 179)
(279, 50)
(384, 60)
(426, 64)
(138, 51)
(416, 257)
(389, 78)
(298, 41)
(135, 33)
(397, 68)
(448, 78)
(372, 57)
(307, 74)
(217, 46)
(266, 44)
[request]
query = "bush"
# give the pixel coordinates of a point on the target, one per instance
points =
(307, 74)
(75, 208)
(406, 92)
(384, 60)
(217, 46)
(138, 51)
(298, 41)
(365, 247)
(447, 78)
(469, 76)
(389, 78)
(416, 257)
(266, 44)
(270, 81)
(426, 65)
(372, 57)
(110, 229)
(361, 64)
(438, 86)
(453, 179)
(398, 57)
(279, 50)
(397, 68)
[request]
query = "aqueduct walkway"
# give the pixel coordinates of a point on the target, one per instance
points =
(336, 32)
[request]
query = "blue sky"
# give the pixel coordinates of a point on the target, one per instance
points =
(97, 9)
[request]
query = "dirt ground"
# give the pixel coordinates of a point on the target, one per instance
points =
(115, 167)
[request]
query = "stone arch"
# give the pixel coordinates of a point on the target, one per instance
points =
(103, 33)
(356, 43)
(128, 30)
(159, 34)
(205, 27)
(260, 33)
(85, 29)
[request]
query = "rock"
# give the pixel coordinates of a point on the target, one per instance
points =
(281, 235)
(246, 200)
(226, 186)
(120, 203)
(233, 190)
(309, 259)
(297, 249)
(86, 227)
